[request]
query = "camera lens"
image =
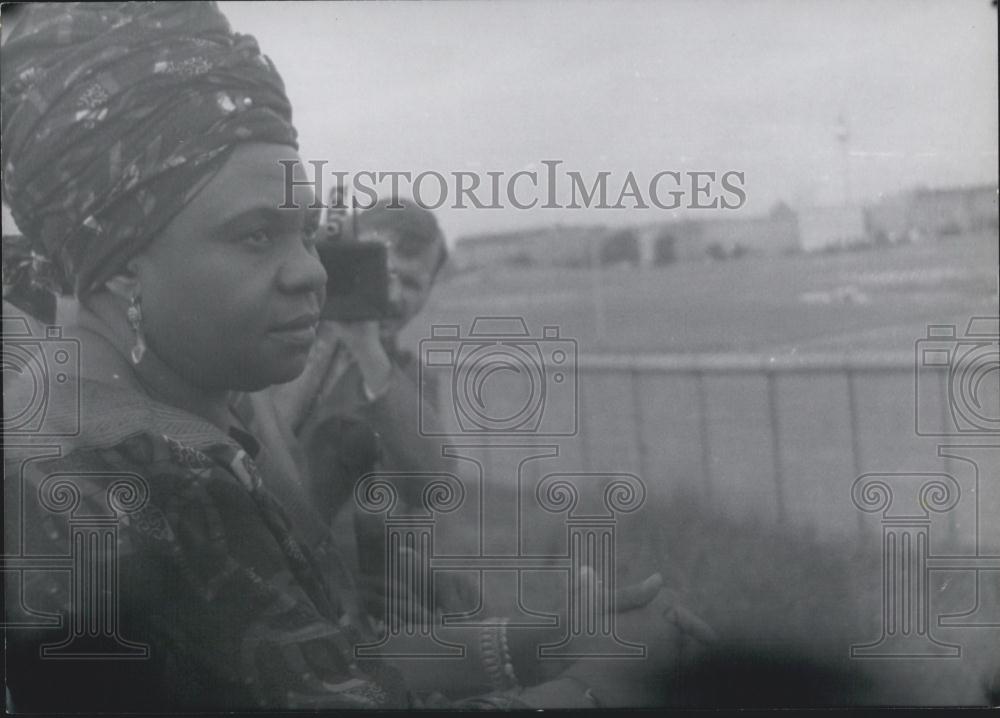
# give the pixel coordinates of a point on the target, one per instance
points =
(23, 406)
(975, 388)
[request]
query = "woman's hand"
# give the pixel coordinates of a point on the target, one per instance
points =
(627, 598)
(454, 592)
(672, 635)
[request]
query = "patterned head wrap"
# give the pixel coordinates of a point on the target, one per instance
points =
(115, 116)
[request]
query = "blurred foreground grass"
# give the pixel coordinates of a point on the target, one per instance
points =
(779, 597)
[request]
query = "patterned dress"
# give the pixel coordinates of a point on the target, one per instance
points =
(235, 610)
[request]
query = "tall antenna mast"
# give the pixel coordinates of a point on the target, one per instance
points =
(844, 139)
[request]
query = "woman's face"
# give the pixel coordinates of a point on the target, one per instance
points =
(232, 288)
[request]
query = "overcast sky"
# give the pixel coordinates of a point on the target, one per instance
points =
(644, 86)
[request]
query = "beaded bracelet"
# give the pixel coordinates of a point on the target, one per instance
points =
(495, 652)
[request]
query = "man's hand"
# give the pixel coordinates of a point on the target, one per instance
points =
(294, 400)
(672, 635)
(363, 342)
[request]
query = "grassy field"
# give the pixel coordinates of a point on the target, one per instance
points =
(749, 304)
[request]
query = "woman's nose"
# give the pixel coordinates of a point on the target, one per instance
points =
(302, 271)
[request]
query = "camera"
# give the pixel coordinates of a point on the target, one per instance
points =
(958, 379)
(41, 381)
(357, 284)
(500, 380)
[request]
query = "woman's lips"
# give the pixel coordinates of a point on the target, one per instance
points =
(305, 321)
(301, 330)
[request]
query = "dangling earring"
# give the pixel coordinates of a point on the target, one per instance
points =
(135, 321)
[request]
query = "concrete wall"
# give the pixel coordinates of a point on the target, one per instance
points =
(752, 443)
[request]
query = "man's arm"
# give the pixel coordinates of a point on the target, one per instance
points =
(393, 409)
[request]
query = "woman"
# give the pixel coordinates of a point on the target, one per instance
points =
(141, 149)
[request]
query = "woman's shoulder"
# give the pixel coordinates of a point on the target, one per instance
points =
(110, 415)
(157, 471)
(100, 428)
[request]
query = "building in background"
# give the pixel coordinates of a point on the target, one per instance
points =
(720, 237)
(556, 246)
(934, 213)
(906, 217)
(837, 226)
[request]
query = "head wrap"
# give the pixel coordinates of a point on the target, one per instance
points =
(116, 115)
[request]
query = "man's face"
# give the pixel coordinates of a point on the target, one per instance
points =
(232, 288)
(411, 276)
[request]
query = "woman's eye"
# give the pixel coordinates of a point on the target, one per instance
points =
(257, 238)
